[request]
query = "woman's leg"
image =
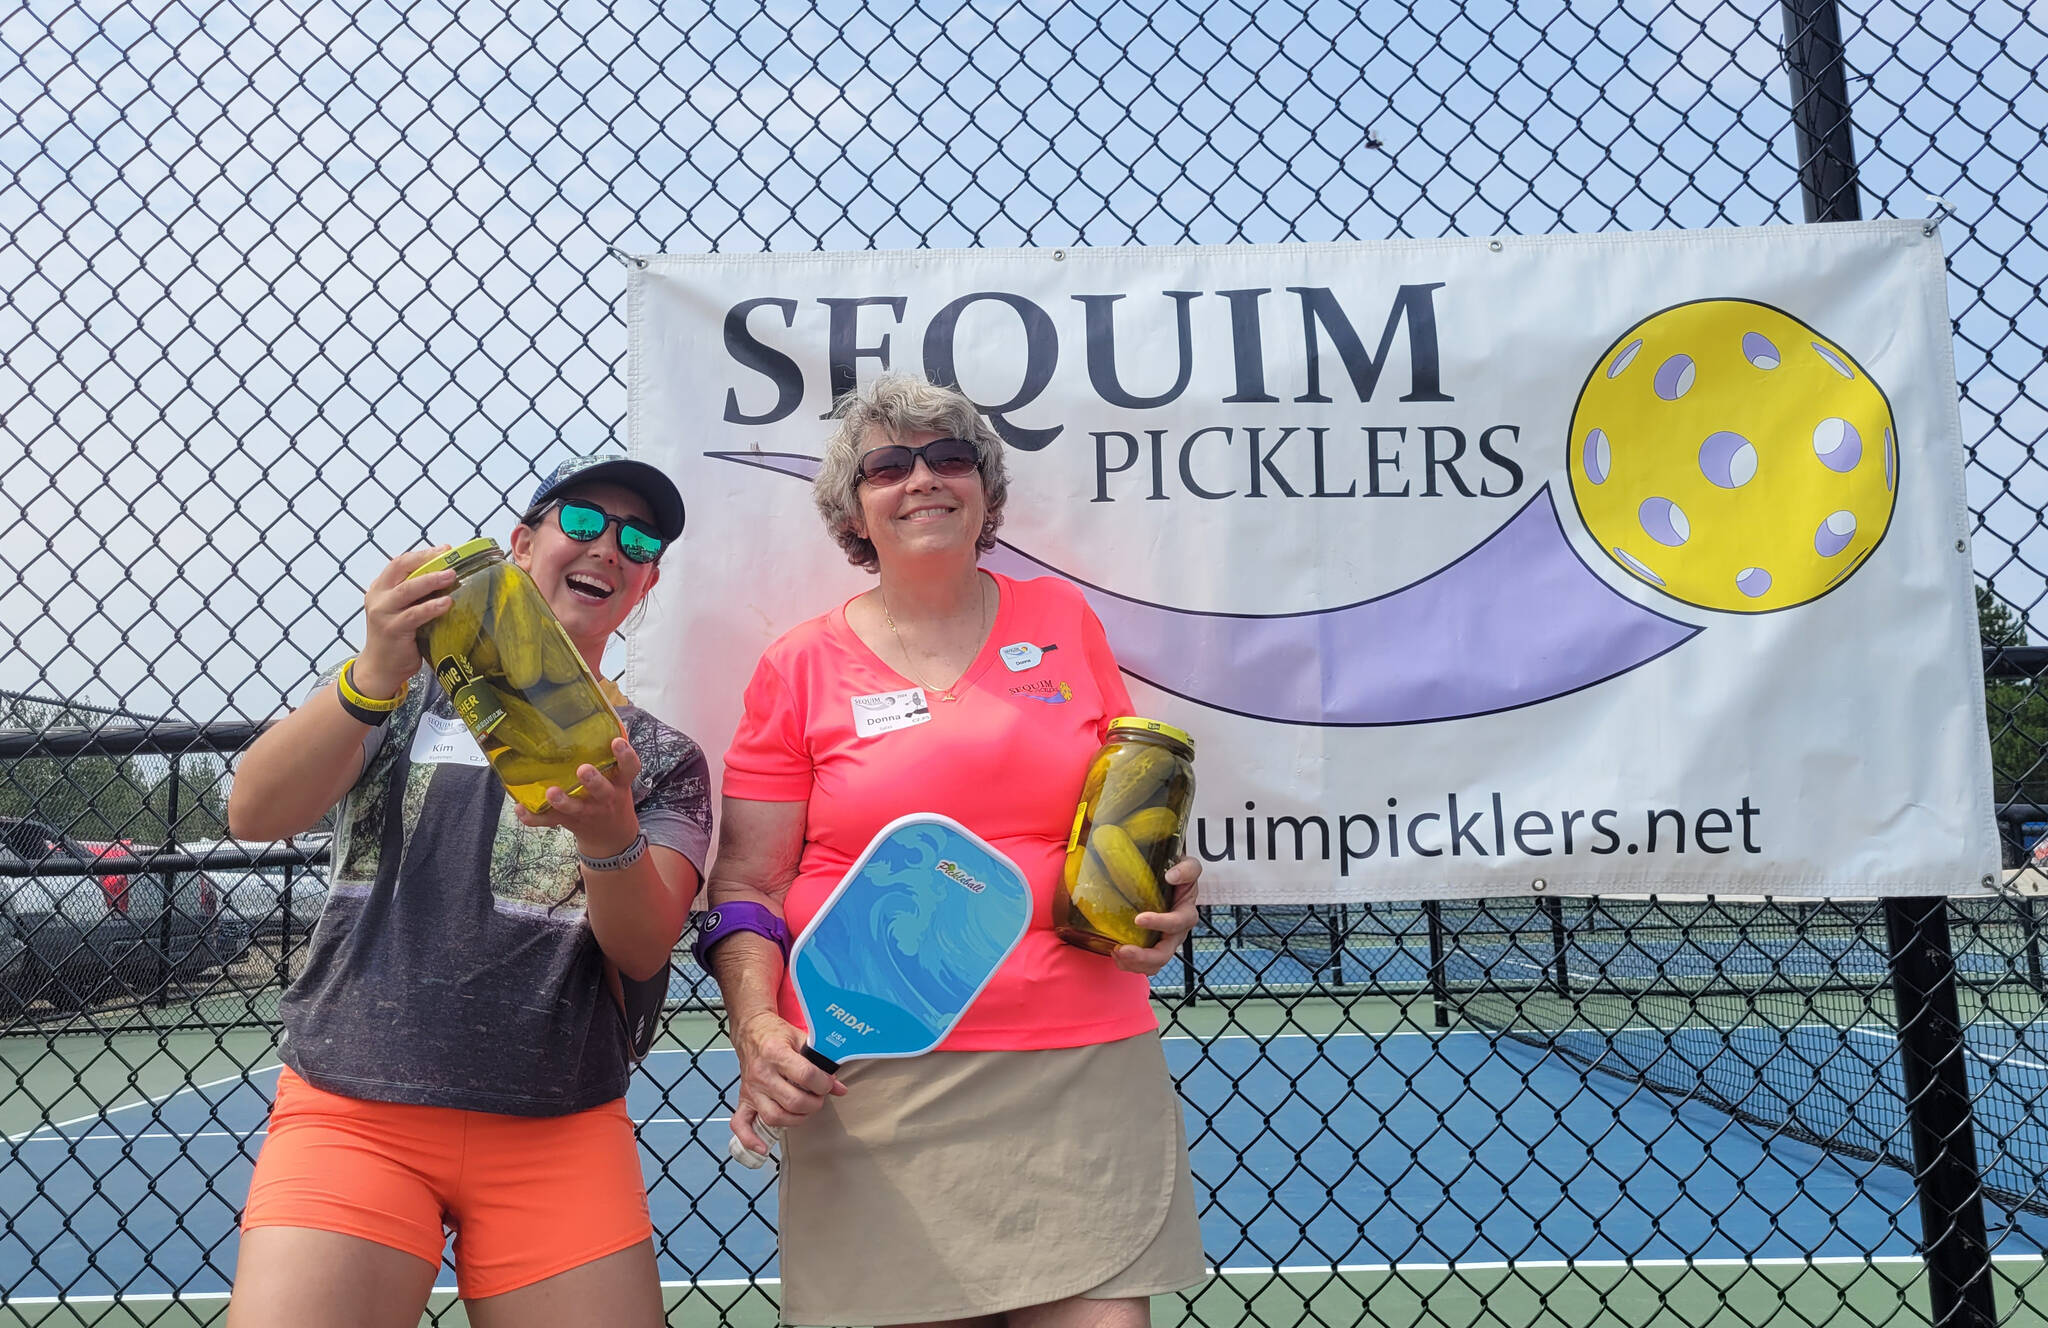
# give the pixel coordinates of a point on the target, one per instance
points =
(342, 1225)
(620, 1290)
(1080, 1312)
(323, 1279)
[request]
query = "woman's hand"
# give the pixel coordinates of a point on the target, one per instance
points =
(1173, 927)
(600, 814)
(394, 610)
(778, 1087)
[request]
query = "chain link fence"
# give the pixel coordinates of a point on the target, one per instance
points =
(287, 286)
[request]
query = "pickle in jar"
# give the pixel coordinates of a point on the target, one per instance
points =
(1127, 832)
(515, 678)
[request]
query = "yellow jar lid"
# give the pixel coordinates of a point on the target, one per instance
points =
(1138, 723)
(481, 544)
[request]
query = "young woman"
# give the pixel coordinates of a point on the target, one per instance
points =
(457, 1047)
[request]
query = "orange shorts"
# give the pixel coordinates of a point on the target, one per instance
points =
(526, 1196)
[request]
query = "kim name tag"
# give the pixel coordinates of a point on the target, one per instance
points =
(885, 712)
(439, 741)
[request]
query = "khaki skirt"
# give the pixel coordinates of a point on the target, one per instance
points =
(968, 1183)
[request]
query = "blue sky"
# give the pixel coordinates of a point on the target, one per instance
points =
(282, 284)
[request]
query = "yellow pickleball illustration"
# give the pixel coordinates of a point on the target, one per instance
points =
(1733, 457)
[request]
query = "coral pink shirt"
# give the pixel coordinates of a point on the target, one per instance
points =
(1006, 760)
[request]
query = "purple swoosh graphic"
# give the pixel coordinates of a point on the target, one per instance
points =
(1516, 620)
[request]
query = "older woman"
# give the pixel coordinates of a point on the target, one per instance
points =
(1035, 1166)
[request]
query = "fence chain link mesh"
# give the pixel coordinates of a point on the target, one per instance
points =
(287, 287)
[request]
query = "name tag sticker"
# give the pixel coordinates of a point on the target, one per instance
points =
(439, 741)
(1022, 655)
(885, 712)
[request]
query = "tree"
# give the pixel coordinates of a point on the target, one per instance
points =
(1997, 624)
(2016, 708)
(106, 797)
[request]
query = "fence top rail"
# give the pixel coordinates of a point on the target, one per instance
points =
(305, 851)
(160, 737)
(2015, 661)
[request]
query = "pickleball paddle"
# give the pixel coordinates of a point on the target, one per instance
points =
(904, 943)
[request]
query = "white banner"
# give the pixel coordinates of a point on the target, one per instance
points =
(1604, 563)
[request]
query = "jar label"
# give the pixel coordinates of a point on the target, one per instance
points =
(1074, 835)
(478, 705)
(453, 671)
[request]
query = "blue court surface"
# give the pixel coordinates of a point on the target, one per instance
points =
(1344, 1151)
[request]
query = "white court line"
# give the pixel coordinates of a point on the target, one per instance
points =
(1568, 1265)
(1285, 1270)
(1435, 1033)
(1534, 967)
(2010, 1058)
(105, 1112)
(1217, 1037)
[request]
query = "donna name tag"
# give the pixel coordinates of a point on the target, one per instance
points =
(439, 741)
(885, 712)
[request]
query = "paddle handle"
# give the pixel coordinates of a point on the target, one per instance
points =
(746, 1156)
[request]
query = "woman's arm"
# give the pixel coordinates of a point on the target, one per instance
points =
(759, 847)
(303, 764)
(636, 911)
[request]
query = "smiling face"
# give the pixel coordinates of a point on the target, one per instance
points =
(923, 515)
(591, 587)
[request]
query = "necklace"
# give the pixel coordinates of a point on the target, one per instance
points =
(980, 635)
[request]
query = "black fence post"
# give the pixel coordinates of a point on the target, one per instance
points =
(1953, 1237)
(1553, 907)
(2032, 923)
(1953, 1240)
(1439, 980)
(284, 932)
(164, 965)
(1820, 111)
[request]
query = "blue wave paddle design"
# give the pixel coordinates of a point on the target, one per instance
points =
(909, 938)
(902, 946)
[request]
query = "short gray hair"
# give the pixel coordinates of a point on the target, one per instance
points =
(900, 404)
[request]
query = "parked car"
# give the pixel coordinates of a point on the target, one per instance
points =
(84, 935)
(115, 884)
(280, 902)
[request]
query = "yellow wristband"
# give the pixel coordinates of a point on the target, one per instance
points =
(349, 693)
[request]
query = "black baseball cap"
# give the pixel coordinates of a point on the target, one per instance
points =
(610, 468)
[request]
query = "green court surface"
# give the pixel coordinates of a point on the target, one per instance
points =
(1598, 1295)
(63, 1077)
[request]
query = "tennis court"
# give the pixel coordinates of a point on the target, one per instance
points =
(1343, 1156)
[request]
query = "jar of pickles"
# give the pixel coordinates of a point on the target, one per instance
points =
(1127, 832)
(516, 679)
